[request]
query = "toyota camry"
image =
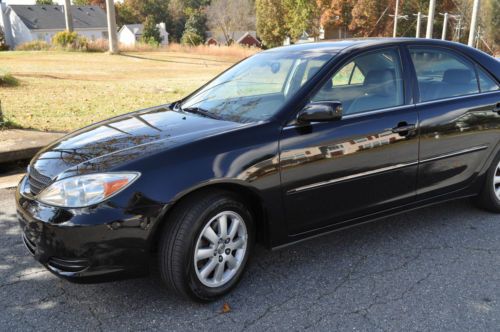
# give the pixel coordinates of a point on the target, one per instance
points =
(286, 145)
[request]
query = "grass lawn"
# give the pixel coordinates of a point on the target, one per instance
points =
(63, 91)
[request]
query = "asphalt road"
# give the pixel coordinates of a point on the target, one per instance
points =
(436, 269)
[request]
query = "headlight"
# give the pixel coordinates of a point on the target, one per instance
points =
(85, 190)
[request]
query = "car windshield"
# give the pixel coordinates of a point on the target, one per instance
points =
(256, 88)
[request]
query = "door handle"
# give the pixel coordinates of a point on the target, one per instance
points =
(403, 128)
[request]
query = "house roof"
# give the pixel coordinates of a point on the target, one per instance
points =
(235, 35)
(245, 35)
(41, 17)
(137, 29)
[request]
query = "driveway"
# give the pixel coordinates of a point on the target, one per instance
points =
(432, 269)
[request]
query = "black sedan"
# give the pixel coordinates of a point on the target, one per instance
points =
(286, 145)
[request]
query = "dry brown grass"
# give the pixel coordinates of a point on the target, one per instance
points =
(232, 51)
(64, 91)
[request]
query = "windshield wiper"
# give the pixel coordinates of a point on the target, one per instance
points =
(200, 111)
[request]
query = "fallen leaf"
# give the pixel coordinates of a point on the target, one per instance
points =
(226, 308)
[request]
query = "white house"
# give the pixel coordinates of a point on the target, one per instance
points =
(130, 34)
(24, 23)
(245, 38)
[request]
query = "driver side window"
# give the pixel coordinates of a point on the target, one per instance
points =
(368, 82)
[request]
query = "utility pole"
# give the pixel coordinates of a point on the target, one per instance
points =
(458, 28)
(478, 36)
(419, 23)
(419, 19)
(445, 24)
(395, 30)
(112, 33)
(396, 18)
(430, 19)
(473, 23)
(68, 16)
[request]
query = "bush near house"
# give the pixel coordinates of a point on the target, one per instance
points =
(70, 40)
(35, 45)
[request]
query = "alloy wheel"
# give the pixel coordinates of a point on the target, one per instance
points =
(496, 181)
(220, 249)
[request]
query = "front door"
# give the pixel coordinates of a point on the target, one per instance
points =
(366, 162)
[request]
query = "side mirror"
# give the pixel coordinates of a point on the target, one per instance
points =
(323, 111)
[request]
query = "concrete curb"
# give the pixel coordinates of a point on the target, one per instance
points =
(10, 181)
(18, 144)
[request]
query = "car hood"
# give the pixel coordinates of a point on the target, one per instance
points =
(110, 143)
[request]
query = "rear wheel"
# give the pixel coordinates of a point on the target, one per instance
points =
(489, 198)
(206, 245)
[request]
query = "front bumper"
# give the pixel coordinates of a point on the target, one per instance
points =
(86, 245)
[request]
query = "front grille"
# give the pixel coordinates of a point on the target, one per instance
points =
(37, 181)
(29, 244)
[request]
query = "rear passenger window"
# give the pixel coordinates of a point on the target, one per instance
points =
(486, 83)
(443, 74)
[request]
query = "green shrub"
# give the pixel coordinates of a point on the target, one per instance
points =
(151, 41)
(64, 38)
(151, 34)
(70, 41)
(191, 38)
(35, 45)
(7, 80)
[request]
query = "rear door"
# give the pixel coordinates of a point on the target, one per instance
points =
(458, 122)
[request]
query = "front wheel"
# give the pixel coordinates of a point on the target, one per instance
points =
(206, 245)
(489, 198)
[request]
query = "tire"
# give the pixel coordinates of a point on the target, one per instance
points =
(489, 198)
(187, 233)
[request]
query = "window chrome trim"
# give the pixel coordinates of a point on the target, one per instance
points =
(384, 169)
(457, 97)
(381, 110)
(350, 177)
(456, 153)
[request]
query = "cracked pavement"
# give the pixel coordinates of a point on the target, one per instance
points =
(432, 269)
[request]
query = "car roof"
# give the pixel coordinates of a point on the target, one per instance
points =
(329, 46)
(339, 45)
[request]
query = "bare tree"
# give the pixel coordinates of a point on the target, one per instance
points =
(228, 16)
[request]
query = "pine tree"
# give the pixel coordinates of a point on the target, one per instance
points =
(151, 33)
(271, 22)
(300, 16)
(195, 28)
